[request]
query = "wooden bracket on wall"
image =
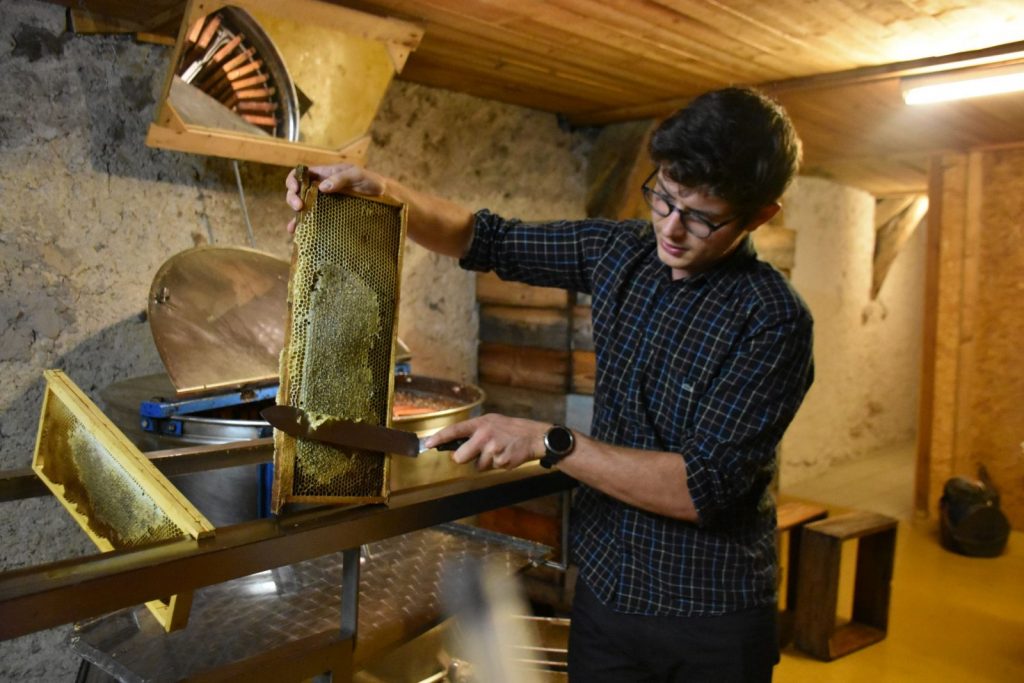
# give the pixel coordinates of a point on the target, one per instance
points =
(618, 164)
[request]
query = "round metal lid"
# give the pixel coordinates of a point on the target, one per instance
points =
(217, 315)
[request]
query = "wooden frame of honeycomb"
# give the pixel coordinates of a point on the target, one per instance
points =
(340, 337)
(118, 497)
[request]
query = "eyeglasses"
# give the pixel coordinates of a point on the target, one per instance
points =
(695, 223)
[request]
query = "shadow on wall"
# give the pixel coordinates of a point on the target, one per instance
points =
(119, 351)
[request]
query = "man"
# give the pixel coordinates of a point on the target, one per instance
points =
(703, 357)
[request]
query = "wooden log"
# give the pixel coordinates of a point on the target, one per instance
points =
(490, 289)
(618, 165)
(584, 372)
(546, 328)
(523, 523)
(582, 329)
(531, 404)
(527, 367)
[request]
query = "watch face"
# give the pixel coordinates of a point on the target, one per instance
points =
(559, 439)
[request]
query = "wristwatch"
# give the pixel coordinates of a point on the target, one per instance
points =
(558, 443)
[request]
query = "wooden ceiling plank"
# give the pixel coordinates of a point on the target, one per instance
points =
(524, 73)
(890, 12)
(897, 128)
(670, 74)
(768, 50)
(572, 23)
(786, 51)
(657, 25)
(430, 74)
(823, 24)
(527, 72)
(509, 44)
(457, 57)
(547, 42)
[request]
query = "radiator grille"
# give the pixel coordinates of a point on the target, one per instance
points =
(338, 357)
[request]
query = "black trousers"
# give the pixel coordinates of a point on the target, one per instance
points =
(609, 647)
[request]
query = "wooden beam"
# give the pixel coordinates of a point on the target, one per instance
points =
(618, 164)
(1009, 53)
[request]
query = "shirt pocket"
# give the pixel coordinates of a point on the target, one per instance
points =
(677, 415)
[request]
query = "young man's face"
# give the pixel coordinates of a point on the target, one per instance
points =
(682, 250)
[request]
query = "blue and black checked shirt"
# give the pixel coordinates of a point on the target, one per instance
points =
(712, 367)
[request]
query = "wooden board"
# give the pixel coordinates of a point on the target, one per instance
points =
(584, 372)
(491, 289)
(532, 404)
(972, 413)
(526, 367)
(546, 328)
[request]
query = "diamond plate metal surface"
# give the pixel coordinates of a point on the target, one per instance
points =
(399, 598)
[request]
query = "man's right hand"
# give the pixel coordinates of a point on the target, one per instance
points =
(334, 178)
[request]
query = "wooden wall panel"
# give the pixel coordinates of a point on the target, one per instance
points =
(545, 328)
(524, 366)
(973, 387)
(491, 289)
(991, 427)
(948, 306)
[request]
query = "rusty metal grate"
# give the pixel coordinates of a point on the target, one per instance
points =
(338, 357)
(107, 486)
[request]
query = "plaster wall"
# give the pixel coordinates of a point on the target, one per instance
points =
(867, 353)
(90, 213)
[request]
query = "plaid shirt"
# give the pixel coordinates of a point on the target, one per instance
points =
(712, 367)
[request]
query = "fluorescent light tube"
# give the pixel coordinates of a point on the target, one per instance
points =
(963, 83)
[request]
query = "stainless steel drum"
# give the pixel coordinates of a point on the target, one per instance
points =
(422, 405)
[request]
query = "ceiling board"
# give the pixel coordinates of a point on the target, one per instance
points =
(602, 61)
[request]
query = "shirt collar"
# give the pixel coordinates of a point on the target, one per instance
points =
(742, 256)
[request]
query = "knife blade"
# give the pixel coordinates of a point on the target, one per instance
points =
(341, 432)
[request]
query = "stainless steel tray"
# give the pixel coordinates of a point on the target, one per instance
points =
(399, 599)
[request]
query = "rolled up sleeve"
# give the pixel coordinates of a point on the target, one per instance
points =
(741, 418)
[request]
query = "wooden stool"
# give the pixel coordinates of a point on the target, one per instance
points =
(792, 517)
(815, 628)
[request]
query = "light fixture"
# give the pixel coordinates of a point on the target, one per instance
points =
(963, 83)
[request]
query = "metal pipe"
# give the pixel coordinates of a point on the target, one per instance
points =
(241, 199)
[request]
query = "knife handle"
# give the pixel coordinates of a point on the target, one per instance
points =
(450, 445)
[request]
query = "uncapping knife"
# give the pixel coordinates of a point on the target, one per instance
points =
(340, 432)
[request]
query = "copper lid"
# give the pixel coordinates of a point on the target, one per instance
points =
(217, 316)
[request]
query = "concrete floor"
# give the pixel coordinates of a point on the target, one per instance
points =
(952, 618)
(882, 481)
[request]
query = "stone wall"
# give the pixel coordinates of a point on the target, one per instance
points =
(90, 213)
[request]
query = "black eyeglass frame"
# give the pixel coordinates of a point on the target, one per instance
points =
(684, 213)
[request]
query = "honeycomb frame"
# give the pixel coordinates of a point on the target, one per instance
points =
(340, 343)
(114, 493)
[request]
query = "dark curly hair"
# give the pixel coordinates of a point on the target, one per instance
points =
(736, 144)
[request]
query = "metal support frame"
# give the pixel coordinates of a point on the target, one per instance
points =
(44, 596)
(562, 564)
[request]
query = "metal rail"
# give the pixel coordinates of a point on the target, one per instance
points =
(22, 483)
(48, 595)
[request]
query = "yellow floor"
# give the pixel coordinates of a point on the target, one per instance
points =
(952, 618)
